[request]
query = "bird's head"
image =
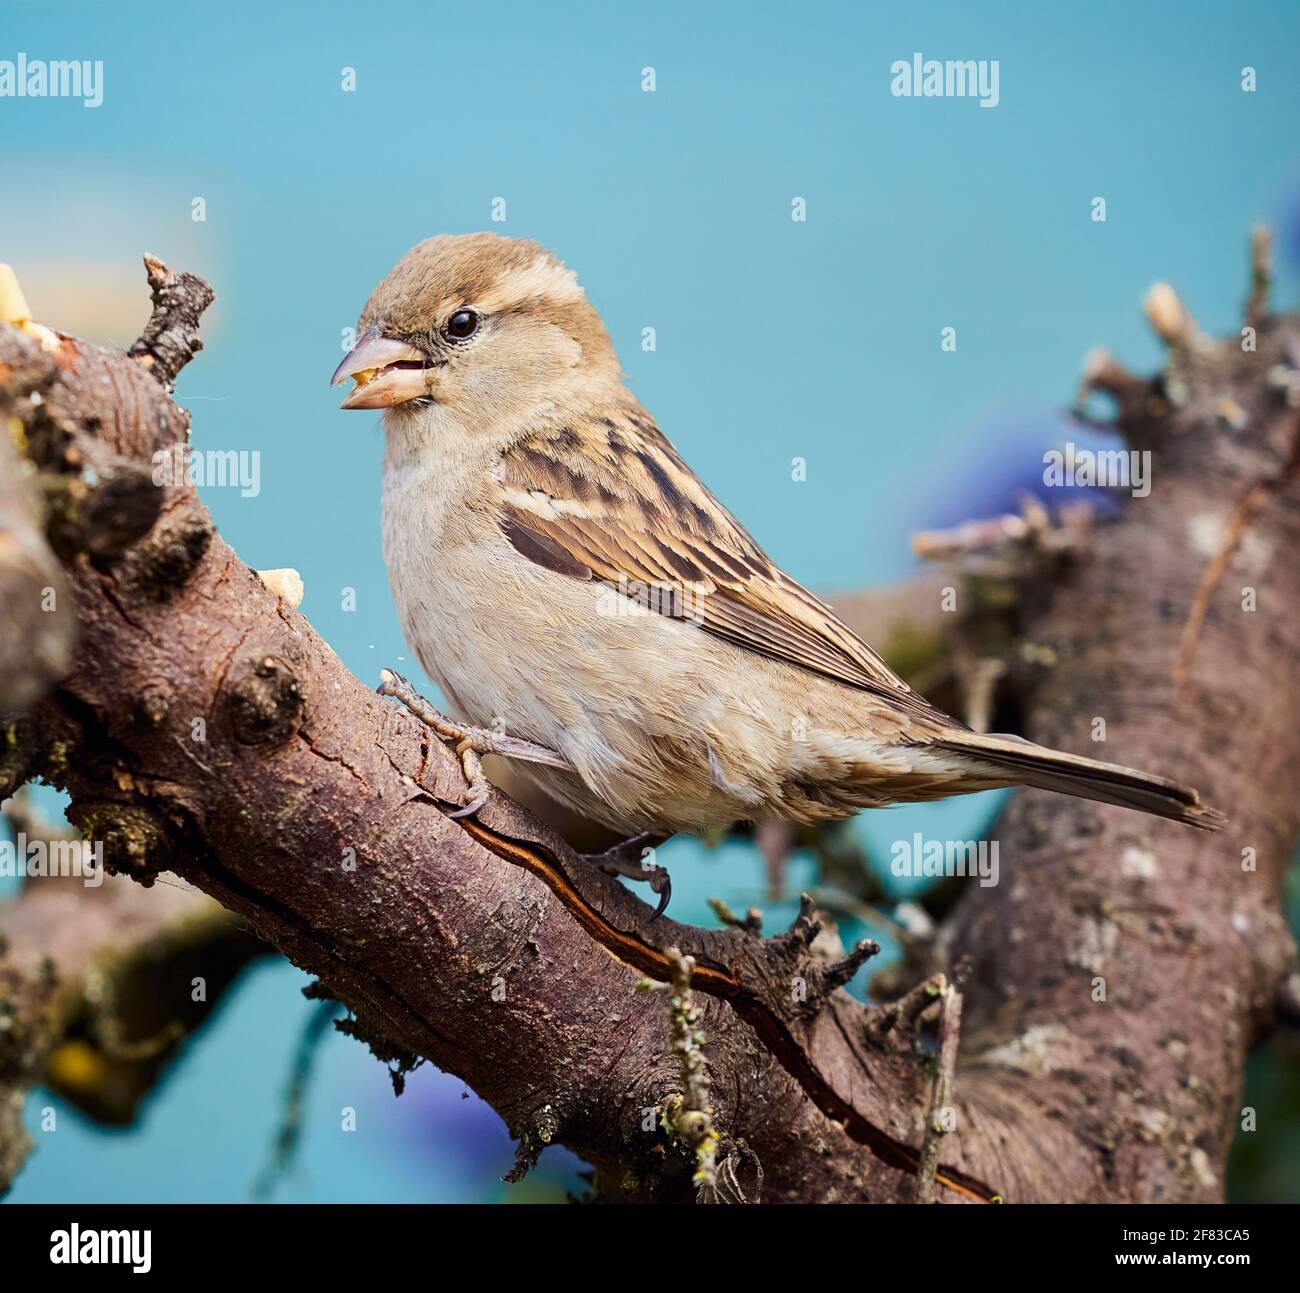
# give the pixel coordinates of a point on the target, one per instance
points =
(478, 323)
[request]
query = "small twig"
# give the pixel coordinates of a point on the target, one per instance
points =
(942, 1114)
(171, 337)
(908, 1008)
(1033, 531)
(751, 922)
(689, 1115)
(1261, 276)
(1170, 319)
(970, 536)
(1130, 394)
(1103, 372)
(290, 1133)
(838, 973)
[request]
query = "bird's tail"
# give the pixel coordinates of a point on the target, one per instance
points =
(1027, 764)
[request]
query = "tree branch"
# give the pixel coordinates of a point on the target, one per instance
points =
(98, 989)
(171, 337)
(207, 729)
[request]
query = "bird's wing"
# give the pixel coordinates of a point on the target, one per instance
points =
(612, 500)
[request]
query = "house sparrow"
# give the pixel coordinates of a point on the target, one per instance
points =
(564, 576)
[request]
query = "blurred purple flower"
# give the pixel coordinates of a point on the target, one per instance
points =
(440, 1125)
(1002, 462)
(1287, 226)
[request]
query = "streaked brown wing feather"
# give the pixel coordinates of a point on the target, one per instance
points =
(619, 505)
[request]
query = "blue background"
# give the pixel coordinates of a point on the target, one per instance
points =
(775, 339)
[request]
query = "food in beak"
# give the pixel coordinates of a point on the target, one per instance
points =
(386, 372)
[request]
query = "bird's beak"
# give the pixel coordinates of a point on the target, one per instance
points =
(386, 372)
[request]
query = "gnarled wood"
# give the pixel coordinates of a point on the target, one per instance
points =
(320, 812)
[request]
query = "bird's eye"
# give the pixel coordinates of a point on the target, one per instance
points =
(461, 325)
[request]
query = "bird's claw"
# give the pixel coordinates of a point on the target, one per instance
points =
(480, 789)
(390, 683)
(468, 742)
(662, 884)
(470, 808)
(628, 858)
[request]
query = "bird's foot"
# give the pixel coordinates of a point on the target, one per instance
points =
(630, 858)
(469, 743)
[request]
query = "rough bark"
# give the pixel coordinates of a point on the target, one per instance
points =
(38, 631)
(319, 812)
